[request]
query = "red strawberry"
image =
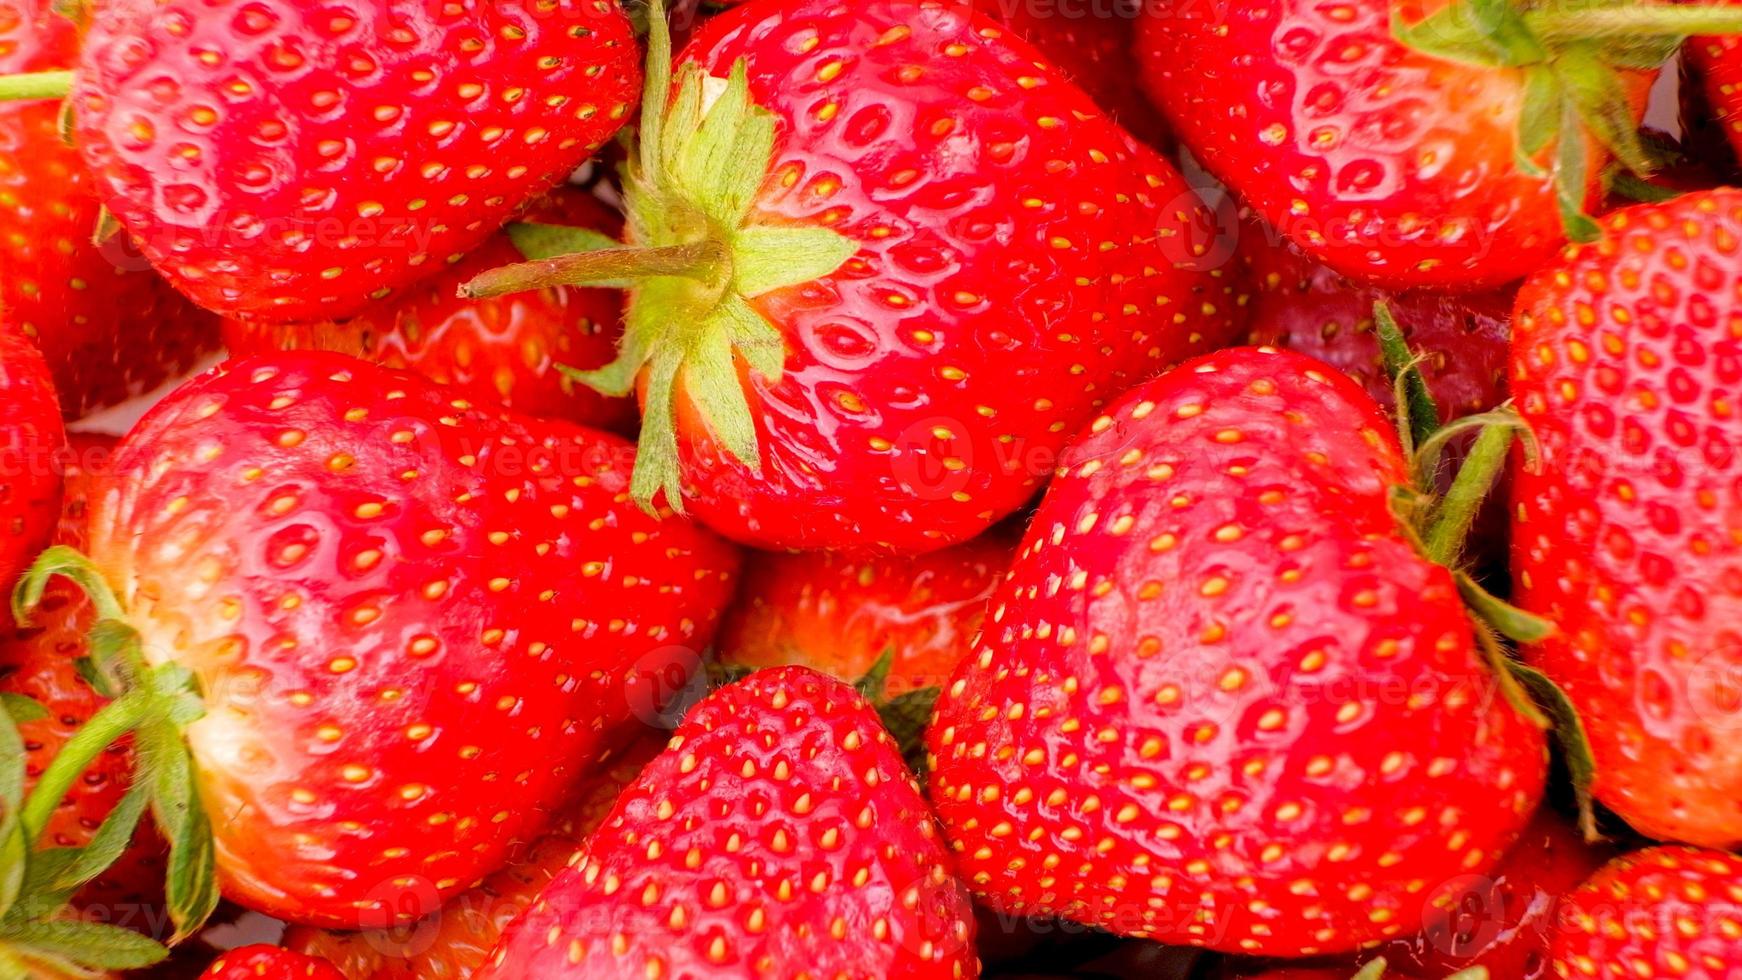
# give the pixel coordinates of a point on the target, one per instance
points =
(1091, 43)
(414, 624)
(1504, 920)
(1665, 913)
(1718, 63)
(493, 350)
(1176, 726)
(261, 962)
(931, 259)
(1308, 307)
(779, 835)
(290, 160)
(31, 439)
(1624, 364)
(1304, 306)
(39, 663)
(841, 615)
(1444, 153)
(455, 941)
(109, 327)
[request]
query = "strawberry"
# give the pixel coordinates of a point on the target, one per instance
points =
(504, 350)
(109, 327)
(841, 615)
(287, 160)
(1505, 920)
(41, 663)
(1656, 914)
(1462, 337)
(1437, 144)
(391, 629)
(456, 940)
(778, 835)
(1624, 365)
(31, 438)
(871, 323)
(262, 962)
(1308, 307)
(1177, 726)
(1092, 46)
(1717, 60)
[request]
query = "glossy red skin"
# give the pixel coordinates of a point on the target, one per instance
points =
(38, 662)
(262, 962)
(1504, 920)
(454, 942)
(395, 699)
(1624, 366)
(1317, 117)
(31, 441)
(1718, 61)
(1664, 913)
(1178, 707)
(504, 350)
(776, 795)
(1007, 369)
(109, 326)
(1304, 306)
(354, 160)
(35, 38)
(1091, 44)
(839, 614)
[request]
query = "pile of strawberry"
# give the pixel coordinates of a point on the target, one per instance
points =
(837, 499)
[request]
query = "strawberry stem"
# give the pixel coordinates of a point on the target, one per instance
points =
(105, 728)
(1457, 508)
(1552, 24)
(705, 261)
(35, 85)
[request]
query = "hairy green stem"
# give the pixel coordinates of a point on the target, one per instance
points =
(705, 261)
(114, 720)
(1457, 509)
(35, 85)
(1633, 21)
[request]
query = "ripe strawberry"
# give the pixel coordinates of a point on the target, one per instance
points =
(780, 835)
(870, 344)
(502, 350)
(1454, 151)
(1505, 920)
(109, 327)
(1717, 62)
(1305, 306)
(413, 624)
(1656, 914)
(39, 662)
(262, 962)
(1623, 364)
(1177, 726)
(1092, 45)
(288, 160)
(841, 615)
(1299, 304)
(31, 438)
(455, 941)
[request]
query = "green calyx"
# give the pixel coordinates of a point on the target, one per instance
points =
(1574, 57)
(1437, 523)
(696, 255)
(153, 705)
